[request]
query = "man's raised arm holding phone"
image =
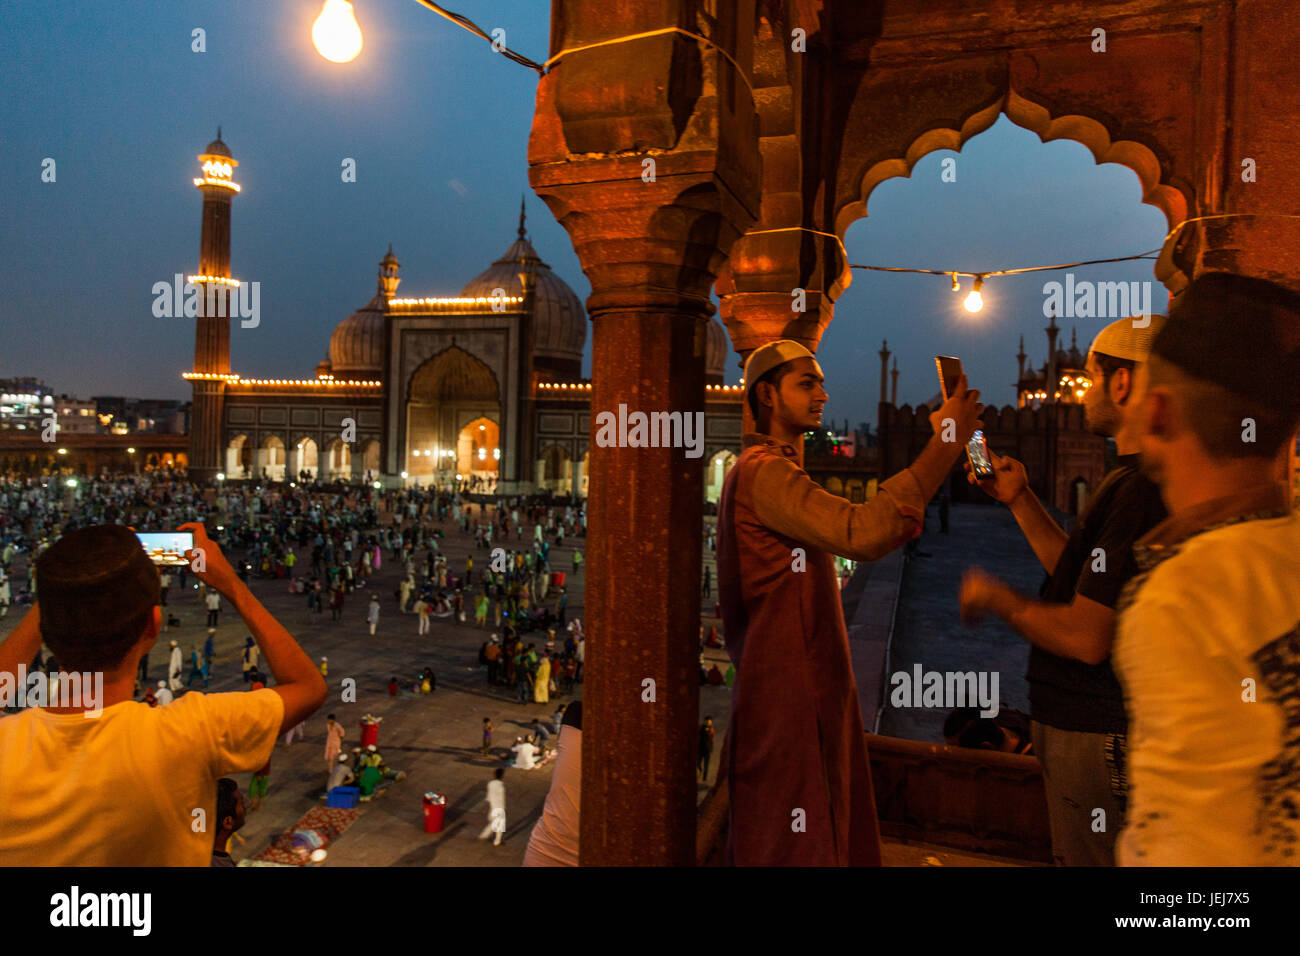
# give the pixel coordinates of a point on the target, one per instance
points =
(297, 680)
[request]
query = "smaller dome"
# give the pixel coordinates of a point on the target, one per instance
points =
(389, 259)
(357, 344)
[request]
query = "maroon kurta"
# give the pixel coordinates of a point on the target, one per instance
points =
(796, 734)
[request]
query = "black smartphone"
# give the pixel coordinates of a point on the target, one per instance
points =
(977, 449)
(167, 547)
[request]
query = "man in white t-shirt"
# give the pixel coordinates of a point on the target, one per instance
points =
(113, 782)
(1208, 649)
(212, 600)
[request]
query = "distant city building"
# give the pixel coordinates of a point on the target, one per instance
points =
(118, 415)
(24, 402)
(75, 416)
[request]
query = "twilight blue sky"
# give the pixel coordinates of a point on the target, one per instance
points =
(438, 125)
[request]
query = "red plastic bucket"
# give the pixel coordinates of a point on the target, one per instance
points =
(434, 814)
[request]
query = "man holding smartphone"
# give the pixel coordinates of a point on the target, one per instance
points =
(1077, 706)
(123, 786)
(798, 779)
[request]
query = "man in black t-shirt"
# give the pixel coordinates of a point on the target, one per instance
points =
(1076, 704)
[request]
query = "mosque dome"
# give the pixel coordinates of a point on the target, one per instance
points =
(559, 320)
(715, 353)
(357, 345)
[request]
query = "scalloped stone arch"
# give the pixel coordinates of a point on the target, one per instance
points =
(1031, 116)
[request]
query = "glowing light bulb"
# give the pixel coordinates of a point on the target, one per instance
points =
(974, 302)
(336, 33)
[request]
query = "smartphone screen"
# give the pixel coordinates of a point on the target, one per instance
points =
(977, 450)
(166, 547)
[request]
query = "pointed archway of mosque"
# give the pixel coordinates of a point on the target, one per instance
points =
(445, 394)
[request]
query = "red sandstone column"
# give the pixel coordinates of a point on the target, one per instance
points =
(650, 239)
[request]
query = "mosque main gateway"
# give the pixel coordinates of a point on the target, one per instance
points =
(484, 385)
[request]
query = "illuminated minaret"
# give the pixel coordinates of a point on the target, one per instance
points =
(212, 329)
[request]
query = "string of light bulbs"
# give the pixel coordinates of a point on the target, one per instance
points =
(975, 301)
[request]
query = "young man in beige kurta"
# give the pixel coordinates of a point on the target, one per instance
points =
(799, 781)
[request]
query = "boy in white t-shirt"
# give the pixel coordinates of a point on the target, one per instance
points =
(102, 780)
(1208, 650)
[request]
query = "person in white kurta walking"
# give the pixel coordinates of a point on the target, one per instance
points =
(372, 615)
(496, 798)
(174, 667)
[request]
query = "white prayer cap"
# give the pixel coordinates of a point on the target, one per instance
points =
(767, 357)
(1123, 340)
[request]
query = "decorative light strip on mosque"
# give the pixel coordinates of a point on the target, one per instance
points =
(480, 300)
(213, 181)
(586, 387)
(220, 280)
(317, 382)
